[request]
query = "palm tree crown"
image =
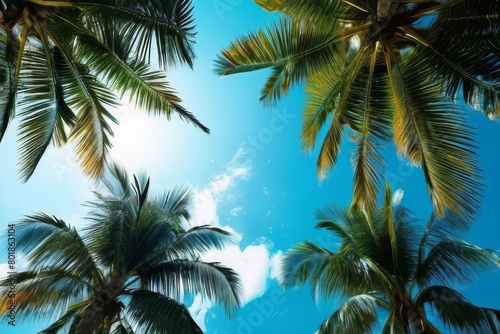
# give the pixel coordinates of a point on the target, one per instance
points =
(129, 269)
(384, 263)
(61, 61)
(384, 69)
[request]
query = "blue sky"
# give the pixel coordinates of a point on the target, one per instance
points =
(250, 176)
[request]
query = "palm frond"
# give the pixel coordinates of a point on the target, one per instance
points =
(457, 312)
(357, 315)
(369, 116)
(39, 293)
(159, 314)
(167, 26)
(176, 202)
(49, 242)
(149, 89)
(432, 134)
(455, 261)
(59, 325)
(7, 82)
(292, 48)
(314, 10)
(39, 105)
(211, 280)
(477, 72)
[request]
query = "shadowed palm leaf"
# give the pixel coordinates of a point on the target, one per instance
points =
(131, 265)
(381, 258)
(60, 62)
(382, 69)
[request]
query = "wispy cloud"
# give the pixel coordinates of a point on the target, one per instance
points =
(236, 211)
(207, 199)
(255, 263)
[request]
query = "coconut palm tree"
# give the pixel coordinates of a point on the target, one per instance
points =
(386, 264)
(381, 69)
(129, 269)
(61, 63)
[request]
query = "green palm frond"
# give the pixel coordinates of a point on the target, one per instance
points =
(7, 82)
(165, 25)
(47, 292)
(429, 132)
(455, 261)
(48, 241)
(292, 48)
(212, 280)
(357, 315)
(59, 71)
(176, 202)
(366, 67)
(314, 10)
(204, 238)
(475, 71)
(457, 312)
(59, 325)
(158, 314)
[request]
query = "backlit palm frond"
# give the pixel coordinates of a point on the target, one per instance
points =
(176, 202)
(211, 280)
(357, 315)
(323, 92)
(430, 132)
(292, 49)
(106, 235)
(330, 90)
(43, 107)
(116, 182)
(314, 10)
(456, 312)
(82, 93)
(147, 88)
(158, 314)
(369, 116)
(47, 292)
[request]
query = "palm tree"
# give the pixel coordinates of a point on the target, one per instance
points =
(382, 69)
(128, 270)
(386, 264)
(61, 63)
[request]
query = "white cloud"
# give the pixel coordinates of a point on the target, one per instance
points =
(255, 263)
(397, 197)
(199, 310)
(251, 263)
(276, 261)
(236, 211)
(207, 199)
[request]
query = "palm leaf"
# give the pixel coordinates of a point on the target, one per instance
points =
(39, 293)
(293, 49)
(455, 261)
(212, 280)
(457, 312)
(149, 89)
(156, 313)
(163, 25)
(429, 132)
(49, 242)
(357, 315)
